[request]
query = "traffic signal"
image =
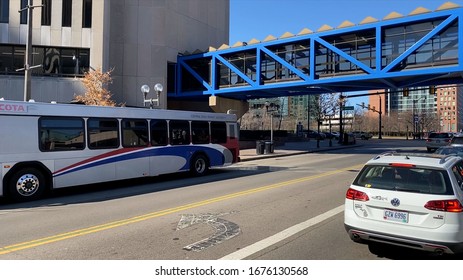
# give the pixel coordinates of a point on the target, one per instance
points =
(432, 90)
(405, 92)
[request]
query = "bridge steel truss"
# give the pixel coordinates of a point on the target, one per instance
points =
(411, 51)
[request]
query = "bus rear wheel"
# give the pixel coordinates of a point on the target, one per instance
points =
(26, 184)
(199, 165)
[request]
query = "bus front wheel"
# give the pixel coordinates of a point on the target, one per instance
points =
(26, 184)
(199, 165)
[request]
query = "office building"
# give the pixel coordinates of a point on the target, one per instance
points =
(138, 40)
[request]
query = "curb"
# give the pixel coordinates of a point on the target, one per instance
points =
(298, 152)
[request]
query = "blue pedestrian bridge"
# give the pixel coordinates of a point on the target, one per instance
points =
(419, 49)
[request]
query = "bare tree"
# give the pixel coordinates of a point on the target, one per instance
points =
(95, 83)
(324, 105)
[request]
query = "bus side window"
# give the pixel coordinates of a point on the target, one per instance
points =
(200, 132)
(180, 132)
(61, 134)
(134, 133)
(158, 129)
(103, 133)
(218, 133)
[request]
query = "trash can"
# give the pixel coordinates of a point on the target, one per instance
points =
(260, 145)
(269, 147)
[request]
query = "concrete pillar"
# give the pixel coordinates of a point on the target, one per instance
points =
(222, 105)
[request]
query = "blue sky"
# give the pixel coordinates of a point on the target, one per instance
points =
(257, 19)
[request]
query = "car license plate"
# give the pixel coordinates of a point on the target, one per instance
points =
(396, 216)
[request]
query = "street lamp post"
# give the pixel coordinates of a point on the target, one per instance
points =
(271, 108)
(145, 89)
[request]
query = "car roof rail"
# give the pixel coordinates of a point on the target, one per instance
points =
(443, 158)
(446, 158)
(388, 153)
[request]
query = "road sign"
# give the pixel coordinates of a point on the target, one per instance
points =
(346, 108)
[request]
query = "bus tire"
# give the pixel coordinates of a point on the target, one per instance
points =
(199, 165)
(26, 184)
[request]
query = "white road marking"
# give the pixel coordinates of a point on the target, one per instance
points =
(269, 241)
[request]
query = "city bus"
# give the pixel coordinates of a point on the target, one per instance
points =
(45, 146)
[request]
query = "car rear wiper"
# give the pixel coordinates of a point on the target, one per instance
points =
(396, 188)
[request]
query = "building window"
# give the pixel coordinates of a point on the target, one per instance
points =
(23, 16)
(67, 13)
(46, 12)
(55, 61)
(4, 11)
(87, 14)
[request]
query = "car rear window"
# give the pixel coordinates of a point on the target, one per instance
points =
(457, 140)
(418, 180)
(439, 135)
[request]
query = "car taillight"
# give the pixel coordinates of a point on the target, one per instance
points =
(405, 165)
(444, 205)
(356, 195)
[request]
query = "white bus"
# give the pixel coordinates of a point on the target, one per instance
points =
(47, 146)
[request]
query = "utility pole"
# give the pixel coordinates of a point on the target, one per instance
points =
(28, 55)
(341, 129)
(380, 112)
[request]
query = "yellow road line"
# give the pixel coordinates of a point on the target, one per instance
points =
(80, 232)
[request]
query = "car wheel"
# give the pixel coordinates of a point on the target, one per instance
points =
(26, 184)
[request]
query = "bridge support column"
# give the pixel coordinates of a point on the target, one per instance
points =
(222, 105)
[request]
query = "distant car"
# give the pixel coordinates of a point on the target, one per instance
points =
(450, 150)
(438, 139)
(457, 140)
(407, 200)
(362, 135)
(316, 135)
(332, 135)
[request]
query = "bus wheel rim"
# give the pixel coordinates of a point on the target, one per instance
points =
(27, 184)
(200, 165)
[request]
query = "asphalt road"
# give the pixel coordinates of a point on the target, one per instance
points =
(287, 208)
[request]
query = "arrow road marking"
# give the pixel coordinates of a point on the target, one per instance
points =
(224, 229)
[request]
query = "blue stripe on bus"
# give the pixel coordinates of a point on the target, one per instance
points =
(216, 157)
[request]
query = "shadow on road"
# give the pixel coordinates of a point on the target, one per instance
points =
(133, 187)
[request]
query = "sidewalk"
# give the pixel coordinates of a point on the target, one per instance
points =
(294, 148)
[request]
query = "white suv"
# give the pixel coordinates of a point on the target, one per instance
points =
(408, 200)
